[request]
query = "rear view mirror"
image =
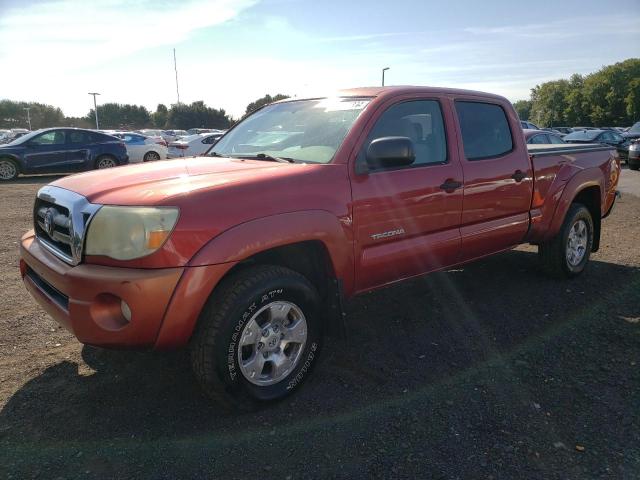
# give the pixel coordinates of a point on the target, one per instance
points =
(389, 152)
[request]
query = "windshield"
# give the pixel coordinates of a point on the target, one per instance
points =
(24, 138)
(635, 128)
(582, 135)
(300, 130)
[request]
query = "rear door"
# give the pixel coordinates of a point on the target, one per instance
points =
(498, 177)
(47, 152)
(405, 221)
(79, 149)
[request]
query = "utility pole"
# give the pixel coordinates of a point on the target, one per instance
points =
(95, 108)
(384, 70)
(175, 67)
(28, 116)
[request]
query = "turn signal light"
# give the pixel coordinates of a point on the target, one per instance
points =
(156, 238)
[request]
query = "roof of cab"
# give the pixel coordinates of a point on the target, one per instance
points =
(396, 90)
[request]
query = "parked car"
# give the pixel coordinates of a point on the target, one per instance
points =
(633, 160)
(564, 130)
(141, 148)
(528, 125)
(192, 145)
(200, 131)
(60, 150)
(541, 137)
(173, 135)
(554, 131)
(247, 258)
(12, 135)
(608, 137)
(633, 132)
(150, 132)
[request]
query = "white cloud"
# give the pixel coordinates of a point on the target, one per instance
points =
(80, 33)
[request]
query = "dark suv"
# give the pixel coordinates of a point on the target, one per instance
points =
(60, 150)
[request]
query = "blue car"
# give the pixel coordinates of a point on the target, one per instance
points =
(60, 150)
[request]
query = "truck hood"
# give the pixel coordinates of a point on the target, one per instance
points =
(161, 182)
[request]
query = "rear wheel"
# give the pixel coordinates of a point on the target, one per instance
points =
(105, 161)
(8, 169)
(151, 156)
(258, 337)
(567, 254)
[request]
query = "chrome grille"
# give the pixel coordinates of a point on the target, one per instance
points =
(60, 220)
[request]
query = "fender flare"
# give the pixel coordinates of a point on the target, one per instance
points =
(591, 177)
(246, 239)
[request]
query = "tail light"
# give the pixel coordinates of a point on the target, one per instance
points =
(182, 147)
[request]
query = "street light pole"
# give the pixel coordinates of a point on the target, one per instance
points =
(95, 108)
(28, 116)
(384, 70)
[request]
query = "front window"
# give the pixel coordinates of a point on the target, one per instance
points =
(635, 128)
(308, 131)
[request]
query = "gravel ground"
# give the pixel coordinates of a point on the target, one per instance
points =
(491, 371)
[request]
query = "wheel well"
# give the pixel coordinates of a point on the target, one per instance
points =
(590, 198)
(309, 258)
(312, 260)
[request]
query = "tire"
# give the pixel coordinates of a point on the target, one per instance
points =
(106, 161)
(236, 363)
(8, 170)
(567, 254)
(151, 156)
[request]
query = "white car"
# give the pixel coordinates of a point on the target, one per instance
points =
(174, 135)
(141, 148)
(193, 145)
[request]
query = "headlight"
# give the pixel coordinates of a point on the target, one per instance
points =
(125, 233)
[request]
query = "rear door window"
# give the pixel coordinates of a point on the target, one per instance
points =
(485, 130)
(78, 137)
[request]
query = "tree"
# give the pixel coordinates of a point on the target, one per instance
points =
(121, 116)
(13, 115)
(610, 96)
(253, 106)
(523, 107)
(160, 116)
(197, 115)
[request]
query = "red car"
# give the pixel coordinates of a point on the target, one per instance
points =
(246, 256)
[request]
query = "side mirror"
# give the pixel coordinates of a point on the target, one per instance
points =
(389, 152)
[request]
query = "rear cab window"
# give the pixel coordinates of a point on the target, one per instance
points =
(485, 130)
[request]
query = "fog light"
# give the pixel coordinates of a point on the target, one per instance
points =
(126, 311)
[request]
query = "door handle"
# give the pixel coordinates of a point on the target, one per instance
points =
(450, 185)
(519, 175)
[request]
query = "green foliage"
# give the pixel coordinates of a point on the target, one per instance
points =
(160, 116)
(121, 117)
(523, 107)
(253, 106)
(13, 115)
(197, 115)
(608, 97)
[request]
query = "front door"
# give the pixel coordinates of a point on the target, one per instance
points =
(46, 153)
(406, 219)
(498, 178)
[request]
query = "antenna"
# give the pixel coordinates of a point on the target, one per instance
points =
(175, 66)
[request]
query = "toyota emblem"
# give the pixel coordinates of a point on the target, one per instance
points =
(49, 222)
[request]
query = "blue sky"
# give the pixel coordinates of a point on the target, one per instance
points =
(231, 52)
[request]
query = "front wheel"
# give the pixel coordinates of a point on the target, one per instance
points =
(105, 161)
(258, 337)
(567, 254)
(151, 156)
(8, 169)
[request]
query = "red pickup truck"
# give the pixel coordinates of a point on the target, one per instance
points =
(247, 255)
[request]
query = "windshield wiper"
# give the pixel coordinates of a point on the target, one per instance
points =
(215, 154)
(271, 158)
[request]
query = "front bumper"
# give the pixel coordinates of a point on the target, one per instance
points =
(85, 299)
